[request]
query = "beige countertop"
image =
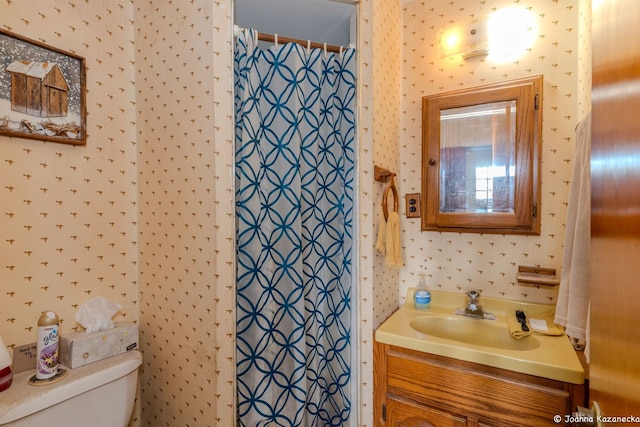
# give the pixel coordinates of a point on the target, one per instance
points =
(550, 357)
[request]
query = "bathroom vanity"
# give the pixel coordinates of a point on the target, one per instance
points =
(415, 388)
(453, 379)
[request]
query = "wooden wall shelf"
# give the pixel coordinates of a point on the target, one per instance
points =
(538, 275)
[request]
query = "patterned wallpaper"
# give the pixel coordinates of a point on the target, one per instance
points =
(184, 116)
(147, 206)
(584, 58)
(68, 214)
(367, 283)
(386, 81)
(461, 261)
(74, 218)
(379, 31)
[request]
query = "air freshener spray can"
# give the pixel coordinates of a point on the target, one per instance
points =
(47, 346)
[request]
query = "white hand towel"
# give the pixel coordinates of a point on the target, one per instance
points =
(394, 251)
(572, 308)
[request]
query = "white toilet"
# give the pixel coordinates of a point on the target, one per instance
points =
(100, 394)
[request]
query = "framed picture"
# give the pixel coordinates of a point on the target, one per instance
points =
(42, 91)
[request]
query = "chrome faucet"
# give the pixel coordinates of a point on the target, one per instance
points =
(474, 308)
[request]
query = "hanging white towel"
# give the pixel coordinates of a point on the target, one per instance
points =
(572, 308)
(394, 251)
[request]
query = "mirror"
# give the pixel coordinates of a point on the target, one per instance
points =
(477, 158)
(481, 159)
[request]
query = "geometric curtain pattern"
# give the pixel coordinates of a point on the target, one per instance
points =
(295, 133)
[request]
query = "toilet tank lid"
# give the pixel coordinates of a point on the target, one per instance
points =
(22, 399)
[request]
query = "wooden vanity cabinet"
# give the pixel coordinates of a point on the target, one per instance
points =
(416, 389)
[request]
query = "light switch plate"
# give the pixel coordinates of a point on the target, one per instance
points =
(413, 205)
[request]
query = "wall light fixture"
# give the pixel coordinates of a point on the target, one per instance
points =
(469, 38)
(505, 35)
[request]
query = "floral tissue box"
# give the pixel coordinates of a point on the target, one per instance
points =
(79, 348)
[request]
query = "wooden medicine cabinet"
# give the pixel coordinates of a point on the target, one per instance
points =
(481, 159)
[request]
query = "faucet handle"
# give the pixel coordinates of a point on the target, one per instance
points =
(474, 295)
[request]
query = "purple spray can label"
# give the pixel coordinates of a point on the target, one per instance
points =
(47, 346)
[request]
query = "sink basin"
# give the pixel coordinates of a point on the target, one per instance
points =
(482, 332)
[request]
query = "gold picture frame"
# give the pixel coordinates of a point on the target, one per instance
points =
(42, 91)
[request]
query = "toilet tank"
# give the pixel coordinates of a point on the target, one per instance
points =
(100, 394)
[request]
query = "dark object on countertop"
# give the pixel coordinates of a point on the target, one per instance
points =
(522, 318)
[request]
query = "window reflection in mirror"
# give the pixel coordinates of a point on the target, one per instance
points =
(477, 158)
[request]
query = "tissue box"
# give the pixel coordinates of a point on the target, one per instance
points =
(79, 348)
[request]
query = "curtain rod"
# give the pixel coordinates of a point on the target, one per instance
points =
(272, 39)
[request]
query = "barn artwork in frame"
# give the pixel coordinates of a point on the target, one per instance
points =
(42, 91)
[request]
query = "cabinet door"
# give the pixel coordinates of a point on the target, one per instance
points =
(401, 413)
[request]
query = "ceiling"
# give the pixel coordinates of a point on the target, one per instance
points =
(323, 21)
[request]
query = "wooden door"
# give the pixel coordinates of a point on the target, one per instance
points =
(615, 216)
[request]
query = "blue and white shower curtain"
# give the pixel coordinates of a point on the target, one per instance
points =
(295, 152)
